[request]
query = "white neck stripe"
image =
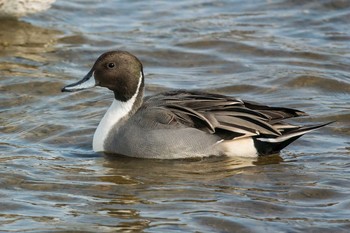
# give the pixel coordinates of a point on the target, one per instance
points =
(114, 114)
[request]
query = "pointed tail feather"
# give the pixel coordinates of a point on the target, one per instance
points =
(270, 145)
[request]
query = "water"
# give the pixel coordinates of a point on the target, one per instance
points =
(286, 53)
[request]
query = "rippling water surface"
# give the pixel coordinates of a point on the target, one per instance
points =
(287, 53)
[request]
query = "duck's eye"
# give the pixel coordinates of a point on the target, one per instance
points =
(111, 65)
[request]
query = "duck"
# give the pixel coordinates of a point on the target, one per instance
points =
(180, 124)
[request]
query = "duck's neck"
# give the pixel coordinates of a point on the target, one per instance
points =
(117, 113)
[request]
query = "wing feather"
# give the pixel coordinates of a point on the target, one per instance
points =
(212, 113)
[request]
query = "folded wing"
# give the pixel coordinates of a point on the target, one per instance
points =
(225, 116)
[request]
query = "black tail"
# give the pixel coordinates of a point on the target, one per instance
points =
(268, 145)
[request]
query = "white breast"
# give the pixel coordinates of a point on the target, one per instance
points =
(114, 114)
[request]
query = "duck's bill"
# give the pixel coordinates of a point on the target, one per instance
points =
(87, 82)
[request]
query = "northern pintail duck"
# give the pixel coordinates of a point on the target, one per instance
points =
(181, 124)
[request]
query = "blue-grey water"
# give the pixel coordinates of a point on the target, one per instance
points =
(279, 52)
